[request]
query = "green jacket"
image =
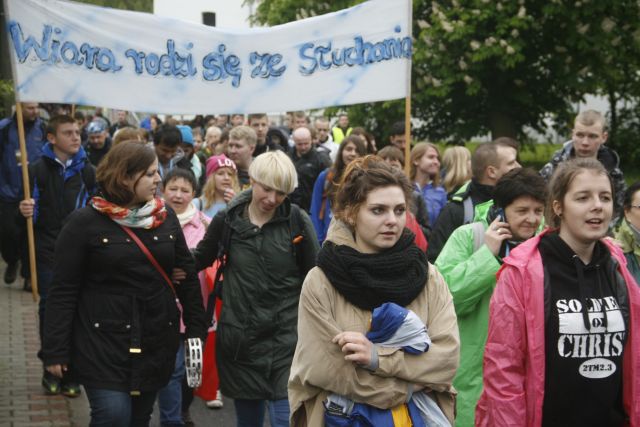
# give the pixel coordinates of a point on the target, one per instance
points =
(630, 246)
(471, 277)
(256, 335)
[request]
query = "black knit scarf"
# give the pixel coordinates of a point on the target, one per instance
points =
(367, 281)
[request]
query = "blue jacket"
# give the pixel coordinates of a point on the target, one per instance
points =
(10, 172)
(320, 224)
(435, 199)
(57, 190)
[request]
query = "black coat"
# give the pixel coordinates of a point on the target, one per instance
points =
(308, 167)
(452, 216)
(107, 298)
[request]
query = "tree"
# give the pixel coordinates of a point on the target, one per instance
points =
(499, 66)
(136, 5)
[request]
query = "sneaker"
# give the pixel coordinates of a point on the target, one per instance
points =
(215, 403)
(11, 273)
(71, 389)
(51, 383)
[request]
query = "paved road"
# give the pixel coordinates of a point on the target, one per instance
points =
(22, 401)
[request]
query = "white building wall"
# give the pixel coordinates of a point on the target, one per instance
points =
(229, 13)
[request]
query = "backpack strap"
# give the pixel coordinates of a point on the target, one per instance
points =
(222, 257)
(296, 226)
(478, 235)
(467, 205)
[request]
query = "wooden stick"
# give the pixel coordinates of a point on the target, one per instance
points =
(407, 103)
(27, 195)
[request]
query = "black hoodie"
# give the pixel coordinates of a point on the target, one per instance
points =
(585, 333)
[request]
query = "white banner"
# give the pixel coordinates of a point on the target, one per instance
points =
(82, 54)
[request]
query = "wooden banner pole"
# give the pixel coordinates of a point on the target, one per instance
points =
(407, 102)
(27, 195)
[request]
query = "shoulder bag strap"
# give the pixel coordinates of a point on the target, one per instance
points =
(149, 256)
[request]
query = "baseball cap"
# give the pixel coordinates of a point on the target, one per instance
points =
(187, 134)
(96, 126)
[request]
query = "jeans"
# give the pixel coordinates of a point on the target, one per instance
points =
(250, 413)
(111, 408)
(170, 397)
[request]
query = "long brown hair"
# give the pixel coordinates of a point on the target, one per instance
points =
(417, 152)
(122, 163)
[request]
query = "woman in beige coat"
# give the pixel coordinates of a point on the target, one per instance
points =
(369, 259)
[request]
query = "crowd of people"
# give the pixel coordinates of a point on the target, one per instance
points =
(295, 269)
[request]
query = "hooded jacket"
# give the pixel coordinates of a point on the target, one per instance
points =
(629, 238)
(452, 215)
(10, 171)
(319, 368)
(471, 277)
(609, 159)
(256, 334)
(57, 190)
(514, 358)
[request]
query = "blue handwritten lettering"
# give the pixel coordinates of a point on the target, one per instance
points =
(22, 46)
(307, 71)
(168, 64)
(138, 58)
(266, 65)
(49, 50)
(360, 53)
(218, 67)
(75, 54)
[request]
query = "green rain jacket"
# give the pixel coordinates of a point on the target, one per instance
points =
(471, 277)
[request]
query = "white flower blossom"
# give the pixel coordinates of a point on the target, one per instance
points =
(467, 79)
(446, 25)
(583, 28)
(490, 41)
(607, 25)
(515, 33)
(510, 50)
(436, 82)
(423, 24)
(522, 12)
(475, 45)
(463, 65)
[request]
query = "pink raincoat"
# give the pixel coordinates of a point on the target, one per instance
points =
(514, 357)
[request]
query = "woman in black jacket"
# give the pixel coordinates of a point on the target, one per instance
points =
(112, 319)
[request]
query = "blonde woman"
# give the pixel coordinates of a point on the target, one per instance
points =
(263, 273)
(456, 168)
(425, 174)
(220, 187)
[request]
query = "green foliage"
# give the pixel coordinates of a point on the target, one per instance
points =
(502, 65)
(6, 97)
(136, 5)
